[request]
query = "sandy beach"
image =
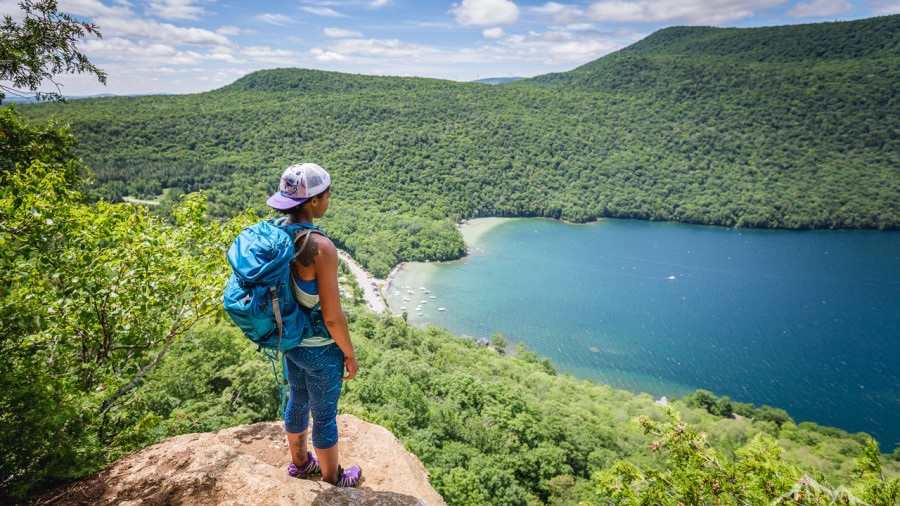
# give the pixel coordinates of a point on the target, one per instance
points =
(415, 273)
(473, 230)
(411, 275)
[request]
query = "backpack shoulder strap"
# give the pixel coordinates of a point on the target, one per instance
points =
(294, 227)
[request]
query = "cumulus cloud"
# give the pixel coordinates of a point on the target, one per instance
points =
(338, 33)
(118, 49)
(10, 8)
(175, 9)
(91, 8)
(326, 56)
(485, 12)
(234, 30)
(578, 51)
(265, 54)
(146, 29)
(559, 13)
(222, 55)
(275, 19)
(819, 8)
(884, 7)
(712, 12)
(348, 49)
(229, 30)
(493, 33)
(324, 11)
(556, 47)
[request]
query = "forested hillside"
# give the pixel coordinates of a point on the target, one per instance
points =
(789, 127)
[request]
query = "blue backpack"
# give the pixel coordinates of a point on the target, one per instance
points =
(258, 294)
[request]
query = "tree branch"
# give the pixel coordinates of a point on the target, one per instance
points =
(173, 332)
(134, 382)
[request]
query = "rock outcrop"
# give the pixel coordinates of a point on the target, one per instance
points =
(247, 465)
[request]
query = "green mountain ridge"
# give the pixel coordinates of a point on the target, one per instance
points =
(867, 38)
(698, 125)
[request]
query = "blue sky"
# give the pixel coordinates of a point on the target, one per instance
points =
(188, 46)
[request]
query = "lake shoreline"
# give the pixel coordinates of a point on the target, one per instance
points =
(670, 308)
(471, 229)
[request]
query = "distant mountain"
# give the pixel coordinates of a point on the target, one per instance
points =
(783, 127)
(498, 80)
(685, 53)
(27, 100)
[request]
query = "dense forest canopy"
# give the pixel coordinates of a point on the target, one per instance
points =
(785, 127)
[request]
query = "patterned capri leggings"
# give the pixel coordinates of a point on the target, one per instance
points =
(314, 375)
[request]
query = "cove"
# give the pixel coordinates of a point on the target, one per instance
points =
(803, 321)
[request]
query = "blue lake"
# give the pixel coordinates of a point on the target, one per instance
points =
(804, 321)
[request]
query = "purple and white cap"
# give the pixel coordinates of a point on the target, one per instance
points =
(299, 183)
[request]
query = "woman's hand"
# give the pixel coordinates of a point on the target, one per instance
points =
(352, 368)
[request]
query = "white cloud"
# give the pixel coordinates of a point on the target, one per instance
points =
(578, 51)
(323, 11)
(485, 12)
(379, 3)
(234, 30)
(557, 47)
(93, 8)
(341, 33)
(266, 54)
(175, 9)
(326, 56)
(146, 29)
(264, 51)
(275, 19)
(884, 7)
(818, 8)
(580, 26)
(559, 13)
(374, 48)
(711, 12)
(229, 30)
(10, 8)
(118, 49)
(222, 54)
(493, 33)
(618, 10)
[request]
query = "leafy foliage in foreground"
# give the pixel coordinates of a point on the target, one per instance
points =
(698, 474)
(39, 47)
(91, 298)
(764, 133)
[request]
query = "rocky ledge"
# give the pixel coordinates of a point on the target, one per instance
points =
(247, 465)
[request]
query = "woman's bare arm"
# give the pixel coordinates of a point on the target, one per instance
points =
(330, 302)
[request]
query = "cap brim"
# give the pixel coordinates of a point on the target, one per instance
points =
(282, 203)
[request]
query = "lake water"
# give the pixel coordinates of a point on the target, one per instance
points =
(804, 321)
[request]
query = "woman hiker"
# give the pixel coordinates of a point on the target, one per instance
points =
(315, 369)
